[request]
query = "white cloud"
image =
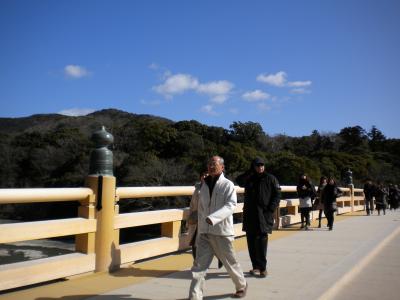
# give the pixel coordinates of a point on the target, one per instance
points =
(278, 79)
(217, 90)
(219, 99)
(300, 91)
(215, 87)
(181, 83)
(255, 95)
(176, 84)
(75, 71)
(75, 112)
(299, 83)
(209, 109)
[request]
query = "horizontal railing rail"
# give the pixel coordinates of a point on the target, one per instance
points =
(27, 231)
(8, 196)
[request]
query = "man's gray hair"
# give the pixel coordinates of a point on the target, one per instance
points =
(220, 159)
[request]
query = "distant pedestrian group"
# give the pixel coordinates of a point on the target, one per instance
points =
(324, 200)
(384, 197)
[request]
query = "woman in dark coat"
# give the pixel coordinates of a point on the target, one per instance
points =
(318, 204)
(261, 198)
(394, 197)
(381, 195)
(306, 193)
(329, 195)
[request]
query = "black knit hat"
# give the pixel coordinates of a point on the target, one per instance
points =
(258, 161)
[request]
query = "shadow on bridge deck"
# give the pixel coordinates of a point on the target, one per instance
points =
(359, 259)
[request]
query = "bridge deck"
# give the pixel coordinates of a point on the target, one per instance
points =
(359, 259)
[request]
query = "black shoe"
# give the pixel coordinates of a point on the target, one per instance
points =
(220, 264)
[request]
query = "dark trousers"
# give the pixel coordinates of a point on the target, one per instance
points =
(330, 217)
(320, 217)
(369, 204)
(257, 245)
(305, 215)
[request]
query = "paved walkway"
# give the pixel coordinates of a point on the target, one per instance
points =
(359, 259)
(317, 264)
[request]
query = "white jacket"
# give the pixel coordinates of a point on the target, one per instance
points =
(219, 209)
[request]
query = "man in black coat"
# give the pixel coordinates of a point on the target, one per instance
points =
(261, 198)
(369, 193)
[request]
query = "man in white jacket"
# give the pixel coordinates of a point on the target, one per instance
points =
(217, 201)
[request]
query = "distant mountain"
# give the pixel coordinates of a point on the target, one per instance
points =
(110, 118)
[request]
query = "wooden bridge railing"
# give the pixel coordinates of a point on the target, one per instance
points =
(97, 227)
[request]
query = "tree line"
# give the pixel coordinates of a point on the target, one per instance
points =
(54, 151)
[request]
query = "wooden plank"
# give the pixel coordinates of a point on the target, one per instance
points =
(146, 249)
(25, 231)
(45, 269)
(43, 195)
(147, 218)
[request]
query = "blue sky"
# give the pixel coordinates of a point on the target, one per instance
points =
(292, 66)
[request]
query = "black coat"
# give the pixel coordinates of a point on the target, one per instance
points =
(261, 198)
(329, 195)
(381, 195)
(308, 191)
(369, 191)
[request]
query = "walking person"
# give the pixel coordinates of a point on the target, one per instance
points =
(193, 217)
(261, 199)
(329, 195)
(369, 192)
(381, 195)
(216, 204)
(318, 204)
(394, 196)
(306, 193)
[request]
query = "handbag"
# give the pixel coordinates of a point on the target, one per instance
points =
(334, 206)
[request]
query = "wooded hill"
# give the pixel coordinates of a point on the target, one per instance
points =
(53, 151)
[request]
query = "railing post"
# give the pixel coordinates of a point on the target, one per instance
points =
(348, 180)
(292, 210)
(171, 229)
(85, 243)
(351, 187)
(104, 190)
(103, 183)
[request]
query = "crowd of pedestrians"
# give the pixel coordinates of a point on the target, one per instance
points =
(384, 196)
(210, 221)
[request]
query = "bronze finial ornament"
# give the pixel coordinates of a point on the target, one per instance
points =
(101, 158)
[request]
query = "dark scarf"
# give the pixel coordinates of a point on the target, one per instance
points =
(211, 181)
